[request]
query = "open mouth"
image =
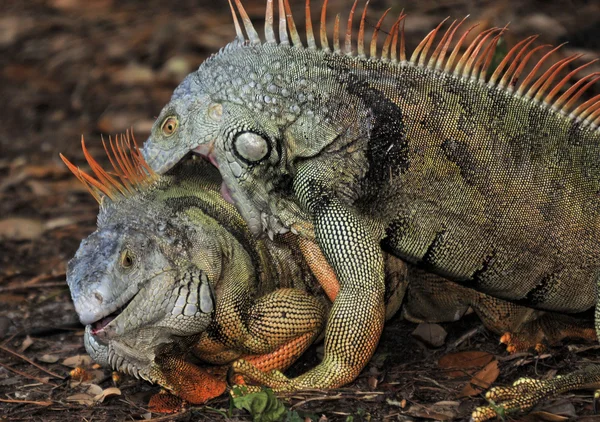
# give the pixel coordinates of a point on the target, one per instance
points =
(206, 152)
(98, 326)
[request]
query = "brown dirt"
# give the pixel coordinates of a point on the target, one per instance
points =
(73, 67)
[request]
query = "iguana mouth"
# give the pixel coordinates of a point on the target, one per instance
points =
(98, 326)
(207, 152)
(267, 223)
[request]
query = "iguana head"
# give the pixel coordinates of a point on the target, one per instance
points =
(147, 276)
(256, 109)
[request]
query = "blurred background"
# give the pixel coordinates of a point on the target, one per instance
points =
(89, 67)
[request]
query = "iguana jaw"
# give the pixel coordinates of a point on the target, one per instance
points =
(98, 327)
(207, 152)
(258, 220)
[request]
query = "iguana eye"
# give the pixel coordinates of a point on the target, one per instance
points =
(169, 126)
(126, 259)
(251, 146)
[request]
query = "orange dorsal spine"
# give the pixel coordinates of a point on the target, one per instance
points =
(130, 173)
(472, 63)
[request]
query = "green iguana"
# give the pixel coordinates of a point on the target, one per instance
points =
(174, 237)
(173, 268)
(489, 177)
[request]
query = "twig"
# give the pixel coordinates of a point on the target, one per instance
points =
(39, 403)
(300, 403)
(29, 286)
(422, 377)
(43, 277)
(466, 336)
(31, 362)
(169, 417)
(26, 375)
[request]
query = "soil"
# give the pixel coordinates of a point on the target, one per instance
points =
(73, 67)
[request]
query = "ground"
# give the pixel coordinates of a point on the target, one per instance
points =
(73, 67)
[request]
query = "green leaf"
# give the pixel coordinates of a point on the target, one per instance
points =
(264, 406)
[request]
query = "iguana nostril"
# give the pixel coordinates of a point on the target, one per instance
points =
(98, 297)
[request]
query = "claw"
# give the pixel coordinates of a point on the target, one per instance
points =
(274, 379)
(165, 402)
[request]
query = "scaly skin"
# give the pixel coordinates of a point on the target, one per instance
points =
(182, 268)
(179, 228)
(488, 179)
(221, 293)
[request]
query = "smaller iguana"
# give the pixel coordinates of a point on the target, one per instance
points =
(173, 268)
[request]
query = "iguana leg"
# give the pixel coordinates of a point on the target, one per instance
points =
(356, 318)
(396, 280)
(319, 267)
(526, 392)
(197, 385)
(549, 328)
(279, 327)
(255, 367)
(186, 381)
(275, 331)
(432, 298)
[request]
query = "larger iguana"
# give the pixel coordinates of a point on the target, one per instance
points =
(489, 177)
(174, 237)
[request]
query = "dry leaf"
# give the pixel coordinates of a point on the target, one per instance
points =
(109, 392)
(26, 343)
(59, 222)
(77, 360)
(438, 413)
(82, 398)
(93, 389)
(557, 410)
(48, 358)
(372, 382)
(482, 380)
(465, 363)
(431, 334)
(544, 416)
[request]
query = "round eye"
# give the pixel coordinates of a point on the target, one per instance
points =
(251, 146)
(126, 259)
(169, 126)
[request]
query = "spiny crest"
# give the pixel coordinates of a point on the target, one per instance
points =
(473, 63)
(130, 172)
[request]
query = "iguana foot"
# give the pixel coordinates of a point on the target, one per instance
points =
(188, 381)
(273, 379)
(165, 402)
(516, 342)
(527, 392)
(546, 330)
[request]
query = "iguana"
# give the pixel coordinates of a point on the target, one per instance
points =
(174, 237)
(489, 177)
(173, 268)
